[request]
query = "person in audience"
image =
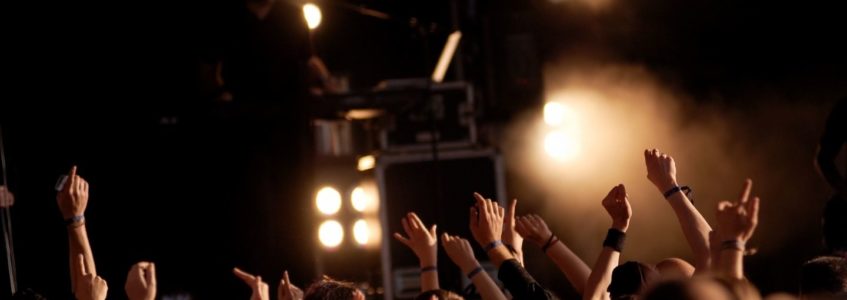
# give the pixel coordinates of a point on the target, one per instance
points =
(330, 289)
(461, 253)
(424, 242)
(824, 278)
(72, 199)
(831, 143)
(736, 223)
(141, 281)
(285, 290)
(617, 205)
(534, 229)
(486, 224)
(661, 171)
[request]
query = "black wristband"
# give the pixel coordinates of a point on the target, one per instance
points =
(684, 189)
(493, 245)
(429, 269)
(550, 242)
(615, 239)
(732, 245)
(75, 219)
(474, 272)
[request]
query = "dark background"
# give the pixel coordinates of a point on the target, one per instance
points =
(200, 186)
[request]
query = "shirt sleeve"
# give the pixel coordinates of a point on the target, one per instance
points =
(520, 284)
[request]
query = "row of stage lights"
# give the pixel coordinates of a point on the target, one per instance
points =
(364, 201)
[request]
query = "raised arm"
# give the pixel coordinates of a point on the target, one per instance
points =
(461, 253)
(661, 170)
(88, 285)
(617, 205)
(486, 222)
(141, 281)
(511, 238)
(424, 242)
(72, 200)
(534, 229)
(736, 222)
(287, 290)
(258, 287)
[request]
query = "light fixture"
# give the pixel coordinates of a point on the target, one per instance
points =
(331, 234)
(312, 13)
(359, 199)
(366, 162)
(328, 200)
(361, 232)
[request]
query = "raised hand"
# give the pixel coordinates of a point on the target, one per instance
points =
(259, 287)
(88, 285)
(460, 252)
(287, 290)
(73, 198)
(738, 220)
(661, 169)
(486, 218)
(511, 236)
(534, 229)
(617, 205)
(423, 241)
(7, 199)
(141, 281)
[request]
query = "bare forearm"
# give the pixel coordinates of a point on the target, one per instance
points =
(601, 275)
(486, 287)
(429, 278)
(498, 255)
(694, 227)
(78, 244)
(732, 263)
(571, 265)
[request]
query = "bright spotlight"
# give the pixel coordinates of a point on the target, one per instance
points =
(361, 232)
(331, 234)
(561, 145)
(312, 13)
(559, 115)
(554, 113)
(328, 200)
(366, 162)
(359, 199)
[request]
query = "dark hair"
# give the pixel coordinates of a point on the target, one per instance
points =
(330, 289)
(834, 224)
(825, 275)
(27, 294)
(439, 294)
(630, 278)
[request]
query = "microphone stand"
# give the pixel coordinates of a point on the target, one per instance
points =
(6, 218)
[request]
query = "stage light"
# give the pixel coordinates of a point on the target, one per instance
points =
(328, 200)
(359, 199)
(331, 234)
(557, 114)
(312, 13)
(361, 233)
(366, 162)
(561, 145)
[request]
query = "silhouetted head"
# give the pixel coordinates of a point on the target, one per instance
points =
(834, 224)
(703, 288)
(438, 295)
(824, 277)
(631, 278)
(674, 268)
(329, 289)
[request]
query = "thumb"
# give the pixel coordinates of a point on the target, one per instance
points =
(432, 230)
(150, 275)
(80, 265)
